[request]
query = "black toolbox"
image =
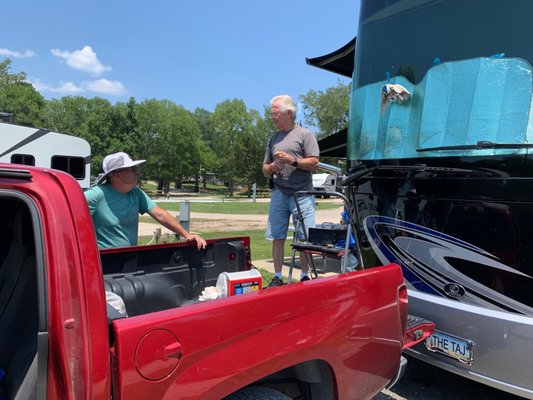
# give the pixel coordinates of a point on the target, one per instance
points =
(326, 236)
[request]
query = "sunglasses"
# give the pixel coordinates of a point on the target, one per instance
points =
(132, 169)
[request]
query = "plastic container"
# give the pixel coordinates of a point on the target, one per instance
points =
(235, 283)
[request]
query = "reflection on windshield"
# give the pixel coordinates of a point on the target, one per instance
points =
(405, 37)
(456, 103)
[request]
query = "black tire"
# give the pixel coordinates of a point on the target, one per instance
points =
(257, 393)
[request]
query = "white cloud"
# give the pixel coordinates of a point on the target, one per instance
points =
(68, 87)
(83, 60)
(17, 54)
(105, 86)
(65, 88)
(100, 86)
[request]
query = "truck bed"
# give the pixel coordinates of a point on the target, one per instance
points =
(159, 277)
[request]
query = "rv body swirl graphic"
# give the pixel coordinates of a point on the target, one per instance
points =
(426, 257)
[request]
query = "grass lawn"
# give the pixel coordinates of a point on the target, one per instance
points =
(236, 207)
(148, 185)
(260, 247)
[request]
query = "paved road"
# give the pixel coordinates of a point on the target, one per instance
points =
(425, 382)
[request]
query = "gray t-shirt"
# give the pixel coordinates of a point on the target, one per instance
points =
(301, 143)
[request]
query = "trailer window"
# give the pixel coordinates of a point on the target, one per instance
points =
(26, 159)
(75, 166)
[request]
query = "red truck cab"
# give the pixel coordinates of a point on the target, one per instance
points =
(339, 337)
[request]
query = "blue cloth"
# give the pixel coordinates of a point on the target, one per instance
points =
(347, 220)
(116, 215)
(282, 206)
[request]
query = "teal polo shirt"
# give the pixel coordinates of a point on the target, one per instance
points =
(116, 215)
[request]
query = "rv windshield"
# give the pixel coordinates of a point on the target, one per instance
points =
(405, 37)
(468, 82)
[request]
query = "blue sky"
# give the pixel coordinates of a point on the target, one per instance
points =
(194, 53)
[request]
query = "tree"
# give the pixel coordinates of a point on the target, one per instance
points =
(262, 129)
(236, 143)
(7, 78)
(170, 139)
(328, 111)
(19, 97)
(125, 130)
(208, 158)
(91, 119)
(148, 115)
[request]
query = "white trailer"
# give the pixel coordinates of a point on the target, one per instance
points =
(47, 149)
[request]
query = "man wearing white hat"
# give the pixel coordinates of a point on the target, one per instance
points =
(115, 205)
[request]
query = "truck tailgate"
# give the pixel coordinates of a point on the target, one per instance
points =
(208, 350)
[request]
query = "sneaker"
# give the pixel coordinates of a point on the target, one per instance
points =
(276, 282)
(305, 278)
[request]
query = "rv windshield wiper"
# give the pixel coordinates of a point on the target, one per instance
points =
(350, 180)
(481, 145)
(356, 176)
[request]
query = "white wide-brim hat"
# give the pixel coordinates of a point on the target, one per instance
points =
(115, 161)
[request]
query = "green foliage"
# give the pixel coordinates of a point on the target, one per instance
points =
(238, 142)
(262, 129)
(7, 78)
(168, 136)
(177, 144)
(20, 98)
(261, 248)
(328, 110)
(92, 119)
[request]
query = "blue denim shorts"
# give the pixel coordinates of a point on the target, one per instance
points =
(282, 206)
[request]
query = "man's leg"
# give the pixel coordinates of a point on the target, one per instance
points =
(307, 208)
(278, 247)
(277, 227)
(304, 264)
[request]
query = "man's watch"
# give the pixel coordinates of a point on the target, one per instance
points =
(295, 162)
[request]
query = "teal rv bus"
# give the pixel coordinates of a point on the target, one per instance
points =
(440, 178)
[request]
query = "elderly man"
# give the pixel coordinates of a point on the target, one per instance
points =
(291, 156)
(115, 205)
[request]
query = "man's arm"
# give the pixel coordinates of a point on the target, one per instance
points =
(168, 221)
(270, 169)
(92, 196)
(267, 170)
(306, 163)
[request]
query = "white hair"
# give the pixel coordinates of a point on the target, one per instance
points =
(287, 104)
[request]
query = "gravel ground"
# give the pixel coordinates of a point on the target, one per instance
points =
(212, 222)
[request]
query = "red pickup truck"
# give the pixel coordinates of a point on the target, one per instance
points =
(338, 337)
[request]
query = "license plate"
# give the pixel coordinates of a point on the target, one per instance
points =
(451, 346)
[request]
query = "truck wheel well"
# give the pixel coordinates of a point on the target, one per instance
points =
(308, 380)
(257, 393)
